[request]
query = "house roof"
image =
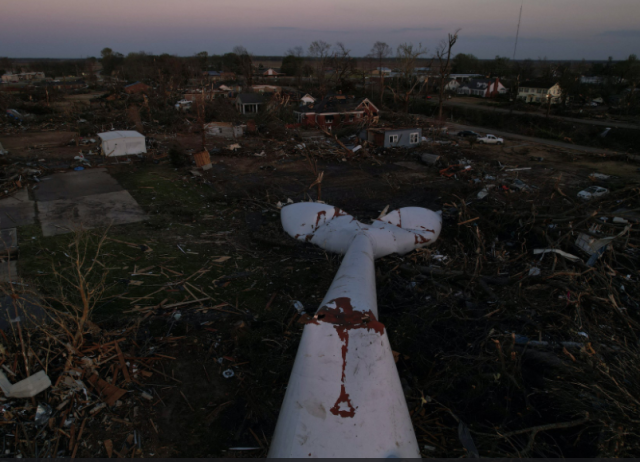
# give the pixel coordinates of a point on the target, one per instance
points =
(546, 84)
(120, 134)
(135, 83)
(333, 104)
(251, 98)
(74, 82)
(479, 84)
(392, 129)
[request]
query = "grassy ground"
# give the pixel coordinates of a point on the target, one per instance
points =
(190, 228)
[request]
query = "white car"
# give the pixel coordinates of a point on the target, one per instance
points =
(490, 139)
(592, 192)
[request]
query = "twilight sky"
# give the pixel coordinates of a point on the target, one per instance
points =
(557, 29)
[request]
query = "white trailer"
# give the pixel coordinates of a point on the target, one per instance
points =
(122, 143)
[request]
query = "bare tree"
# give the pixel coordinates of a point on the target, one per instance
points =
(380, 52)
(298, 52)
(407, 55)
(319, 51)
(245, 63)
(443, 55)
(342, 63)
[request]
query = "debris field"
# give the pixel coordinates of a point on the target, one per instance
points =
(515, 334)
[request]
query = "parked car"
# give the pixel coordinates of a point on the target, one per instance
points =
(490, 139)
(592, 192)
(467, 133)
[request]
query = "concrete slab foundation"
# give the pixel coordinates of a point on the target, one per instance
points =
(17, 210)
(72, 185)
(97, 210)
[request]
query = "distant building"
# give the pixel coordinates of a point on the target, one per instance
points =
(24, 77)
(538, 91)
(485, 88)
(212, 75)
(266, 88)
(337, 110)
(215, 76)
(394, 137)
(591, 79)
(275, 73)
(66, 85)
(307, 99)
(381, 70)
(249, 103)
(464, 77)
(451, 85)
(137, 87)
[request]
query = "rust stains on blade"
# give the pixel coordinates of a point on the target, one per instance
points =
(344, 318)
(320, 214)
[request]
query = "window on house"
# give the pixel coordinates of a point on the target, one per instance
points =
(328, 119)
(393, 139)
(413, 139)
(350, 117)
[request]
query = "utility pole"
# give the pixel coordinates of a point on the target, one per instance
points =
(515, 48)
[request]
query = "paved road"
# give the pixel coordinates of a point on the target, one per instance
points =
(612, 124)
(513, 136)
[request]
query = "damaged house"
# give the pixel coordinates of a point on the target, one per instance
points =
(337, 110)
(484, 88)
(394, 137)
(223, 130)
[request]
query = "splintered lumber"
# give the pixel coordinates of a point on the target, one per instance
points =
(125, 369)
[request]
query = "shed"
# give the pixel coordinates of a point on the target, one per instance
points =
(122, 143)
